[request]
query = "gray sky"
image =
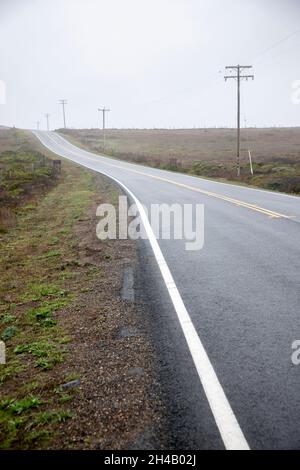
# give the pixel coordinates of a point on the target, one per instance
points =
(155, 63)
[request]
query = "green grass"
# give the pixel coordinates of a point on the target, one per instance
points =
(48, 417)
(51, 254)
(38, 291)
(20, 171)
(19, 406)
(7, 318)
(36, 288)
(11, 370)
(8, 333)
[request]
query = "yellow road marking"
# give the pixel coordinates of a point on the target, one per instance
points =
(268, 212)
(237, 202)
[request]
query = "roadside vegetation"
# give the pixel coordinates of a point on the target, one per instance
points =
(34, 291)
(24, 173)
(208, 153)
(59, 298)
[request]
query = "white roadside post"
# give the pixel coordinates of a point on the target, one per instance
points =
(250, 160)
(2, 353)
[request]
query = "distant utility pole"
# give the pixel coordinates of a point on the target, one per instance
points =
(37, 125)
(47, 118)
(103, 110)
(239, 76)
(63, 103)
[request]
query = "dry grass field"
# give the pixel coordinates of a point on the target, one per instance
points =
(206, 152)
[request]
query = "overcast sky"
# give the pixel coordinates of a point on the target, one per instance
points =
(154, 63)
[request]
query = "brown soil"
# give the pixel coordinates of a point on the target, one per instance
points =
(117, 405)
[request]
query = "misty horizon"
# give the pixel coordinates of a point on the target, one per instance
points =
(155, 65)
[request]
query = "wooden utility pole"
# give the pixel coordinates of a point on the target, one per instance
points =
(103, 110)
(63, 103)
(239, 76)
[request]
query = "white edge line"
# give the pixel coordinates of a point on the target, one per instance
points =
(225, 419)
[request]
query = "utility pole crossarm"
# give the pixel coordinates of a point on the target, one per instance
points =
(235, 67)
(229, 76)
(241, 77)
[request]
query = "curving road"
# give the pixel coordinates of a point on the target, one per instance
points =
(224, 317)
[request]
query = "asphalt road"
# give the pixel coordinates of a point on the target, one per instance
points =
(242, 295)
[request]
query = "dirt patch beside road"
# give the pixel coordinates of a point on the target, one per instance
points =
(118, 402)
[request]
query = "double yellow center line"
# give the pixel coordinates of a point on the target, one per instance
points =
(237, 202)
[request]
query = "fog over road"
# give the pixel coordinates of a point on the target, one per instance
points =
(242, 293)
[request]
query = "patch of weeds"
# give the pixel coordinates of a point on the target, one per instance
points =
(29, 387)
(7, 318)
(19, 406)
(42, 435)
(39, 291)
(93, 269)
(64, 340)
(10, 426)
(46, 309)
(64, 415)
(72, 376)
(66, 231)
(12, 370)
(86, 289)
(9, 333)
(48, 364)
(53, 417)
(65, 398)
(57, 304)
(41, 349)
(15, 423)
(48, 323)
(47, 354)
(44, 364)
(70, 262)
(40, 313)
(53, 241)
(4, 404)
(29, 207)
(21, 348)
(65, 274)
(50, 254)
(51, 290)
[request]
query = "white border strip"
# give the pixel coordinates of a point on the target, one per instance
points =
(226, 421)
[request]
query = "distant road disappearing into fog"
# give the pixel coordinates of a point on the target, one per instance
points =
(226, 325)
